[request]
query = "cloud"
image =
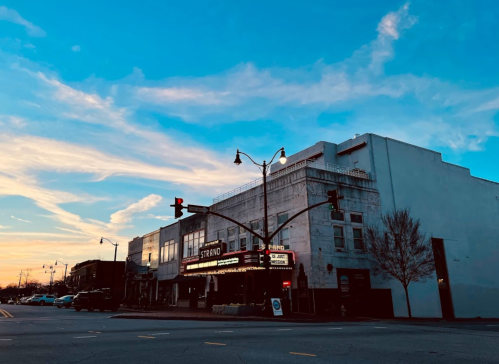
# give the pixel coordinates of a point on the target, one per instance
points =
(159, 217)
(124, 216)
(489, 105)
(76, 48)
(16, 218)
(4, 227)
(13, 16)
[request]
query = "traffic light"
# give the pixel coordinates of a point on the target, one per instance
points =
(178, 207)
(334, 199)
(266, 258)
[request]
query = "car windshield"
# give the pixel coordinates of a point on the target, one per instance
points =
(38, 295)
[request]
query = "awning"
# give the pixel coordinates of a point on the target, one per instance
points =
(180, 279)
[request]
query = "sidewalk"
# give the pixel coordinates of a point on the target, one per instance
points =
(206, 315)
(202, 315)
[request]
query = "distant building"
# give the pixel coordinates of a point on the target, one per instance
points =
(97, 275)
(321, 253)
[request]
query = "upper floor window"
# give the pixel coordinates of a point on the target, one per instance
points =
(192, 242)
(339, 237)
(284, 233)
(232, 232)
(358, 241)
(337, 215)
(169, 251)
(221, 235)
(242, 230)
(356, 218)
(242, 244)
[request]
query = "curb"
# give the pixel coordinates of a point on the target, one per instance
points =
(203, 318)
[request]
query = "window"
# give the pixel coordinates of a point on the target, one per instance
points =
(242, 243)
(169, 252)
(242, 230)
(339, 237)
(284, 233)
(337, 215)
(192, 242)
(256, 243)
(232, 231)
(221, 235)
(255, 226)
(281, 218)
(358, 243)
(356, 218)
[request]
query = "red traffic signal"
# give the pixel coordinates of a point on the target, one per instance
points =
(266, 252)
(178, 207)
(266, 258)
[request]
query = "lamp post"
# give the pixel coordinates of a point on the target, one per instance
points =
(148, 283)
(114, 264)
(51, 271)
(264, 167)
(65, 269)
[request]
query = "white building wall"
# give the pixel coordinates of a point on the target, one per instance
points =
(452, 205)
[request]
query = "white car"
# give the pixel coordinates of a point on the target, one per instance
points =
(42, 299)
(64, 301)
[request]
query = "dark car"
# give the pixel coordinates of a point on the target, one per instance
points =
(94, 300)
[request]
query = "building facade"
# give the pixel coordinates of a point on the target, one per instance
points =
(319, 262)
(97, 275)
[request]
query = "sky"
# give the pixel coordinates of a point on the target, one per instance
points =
(110, 109)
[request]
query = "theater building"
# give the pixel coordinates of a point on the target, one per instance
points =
(319, 259)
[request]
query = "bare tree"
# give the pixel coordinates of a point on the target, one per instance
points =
(27, 275)
(400, 250)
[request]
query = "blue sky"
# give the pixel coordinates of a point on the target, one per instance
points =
(110, 109)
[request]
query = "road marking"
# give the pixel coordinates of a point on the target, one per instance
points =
(83, 337)
(492, 325)
(5, 339)
(6, 314)
(224, 331)
(379, 327)
(335, 328)
(147, 337)
(214, 343)
(305, 354)
(161, 333)
(283, 329)
(95, 332)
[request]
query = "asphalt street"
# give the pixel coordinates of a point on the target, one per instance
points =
(50, 335)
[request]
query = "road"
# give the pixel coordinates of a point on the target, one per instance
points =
(50, 335)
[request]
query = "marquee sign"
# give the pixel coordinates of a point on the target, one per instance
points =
(211, 260)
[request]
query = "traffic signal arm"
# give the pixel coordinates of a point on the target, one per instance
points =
(295, 215)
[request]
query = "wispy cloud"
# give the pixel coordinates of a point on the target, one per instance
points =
(13, 16)
(124, 216)
(18, 219)
(4, 227)
(76, 48)
(160, 217)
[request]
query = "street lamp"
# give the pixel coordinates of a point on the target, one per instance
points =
(52, 272)
(264, 166)
(65, 269)
(114, 264)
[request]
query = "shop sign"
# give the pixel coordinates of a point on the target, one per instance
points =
(276, 306)
(286, 284)
(212, 250)
(272, 247)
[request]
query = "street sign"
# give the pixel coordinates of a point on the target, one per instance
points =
(198, 209)
(276, 306)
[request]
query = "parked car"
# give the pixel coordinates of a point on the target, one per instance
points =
(11, 301)
(94, 300)
(27, 300)
(42, 299)
(64, 301)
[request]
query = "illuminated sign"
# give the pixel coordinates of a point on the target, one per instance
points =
(228, 261)
(286, 284)
(277, 258)
(272, 247)
(212, 249)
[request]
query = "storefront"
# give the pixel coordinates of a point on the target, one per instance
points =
(239, 277)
